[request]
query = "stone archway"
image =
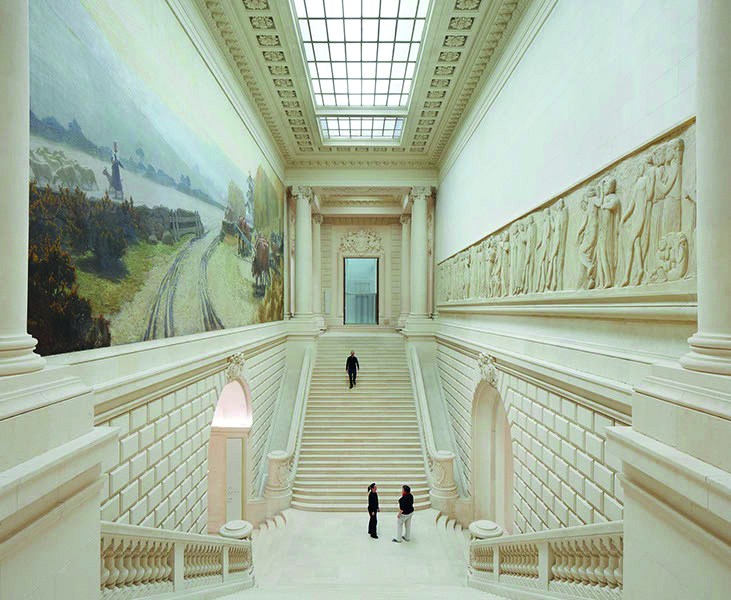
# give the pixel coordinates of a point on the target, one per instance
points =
(492, 451)
(229, 476)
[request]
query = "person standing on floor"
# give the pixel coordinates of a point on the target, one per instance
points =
(406, 511)
(352, 367)
(373, 511)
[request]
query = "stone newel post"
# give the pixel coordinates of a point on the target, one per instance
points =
(16, 346)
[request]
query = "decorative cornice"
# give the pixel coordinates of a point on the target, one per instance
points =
(261, 40)
(405, 219)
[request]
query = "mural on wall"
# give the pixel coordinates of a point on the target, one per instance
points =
(139, 229)
(631, 225)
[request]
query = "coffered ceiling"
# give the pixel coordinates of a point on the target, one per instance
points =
(460, 45)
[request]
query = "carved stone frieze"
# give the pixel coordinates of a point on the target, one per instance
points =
(633, 224)
(361, 242)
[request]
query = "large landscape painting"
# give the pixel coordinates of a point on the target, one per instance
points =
(139, 228)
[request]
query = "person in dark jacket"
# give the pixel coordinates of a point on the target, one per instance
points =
(373, 510)
(352, 366)
(406, 511)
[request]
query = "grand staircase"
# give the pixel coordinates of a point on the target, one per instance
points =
(354, 437)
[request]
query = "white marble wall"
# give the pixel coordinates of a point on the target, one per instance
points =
(598, 80)
(562, 474)
(160, 479)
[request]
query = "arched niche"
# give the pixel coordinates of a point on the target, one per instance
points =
(229, 474)
(492, 458)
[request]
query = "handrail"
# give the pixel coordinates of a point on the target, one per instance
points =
(573, 562)
(439, 463)
(146, 562)
(283, 463)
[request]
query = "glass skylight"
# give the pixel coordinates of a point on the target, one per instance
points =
(361, 52)
(353, 128)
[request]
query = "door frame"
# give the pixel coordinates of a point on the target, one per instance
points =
(378, 287)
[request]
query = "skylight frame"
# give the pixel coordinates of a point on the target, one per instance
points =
(360, 84)
(383, 130)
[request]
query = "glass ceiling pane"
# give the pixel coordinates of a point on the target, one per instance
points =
(357, 128)
(361, 52)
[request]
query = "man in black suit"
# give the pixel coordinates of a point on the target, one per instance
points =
(373, 510)
(352, 366)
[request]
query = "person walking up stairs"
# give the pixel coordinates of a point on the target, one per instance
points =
(352, 437)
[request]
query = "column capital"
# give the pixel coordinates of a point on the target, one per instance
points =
(419, 193)
(318, 218)
(405, 219)
(303, 191)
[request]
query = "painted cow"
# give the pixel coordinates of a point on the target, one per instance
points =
(260, 264)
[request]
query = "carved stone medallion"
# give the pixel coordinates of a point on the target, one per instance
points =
(361, 242)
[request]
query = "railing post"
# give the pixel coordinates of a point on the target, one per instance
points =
(496, 562)
(224, 561)
(545, 562)
(178, 566)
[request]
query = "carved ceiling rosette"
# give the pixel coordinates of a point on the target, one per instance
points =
(361, 242)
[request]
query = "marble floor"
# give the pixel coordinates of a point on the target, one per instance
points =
(327, 555)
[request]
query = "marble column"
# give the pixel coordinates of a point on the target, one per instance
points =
(303, 252)
(710, 347)
(405, 267)
(316, 263)
(16, 346)
(419, 263)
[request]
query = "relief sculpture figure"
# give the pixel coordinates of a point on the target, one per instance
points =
(636, 223)
(587, 239)
(516, 259)
(606, 247)
(504, 261)
(669, 186)
(529, 246)
(543, 249)
(557, 245)
(492, 269)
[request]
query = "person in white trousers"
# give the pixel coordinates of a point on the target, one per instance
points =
(406, 511)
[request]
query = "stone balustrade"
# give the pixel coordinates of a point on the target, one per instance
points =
(282, 464)
(145, 562)
(440, 463)
(575, 562)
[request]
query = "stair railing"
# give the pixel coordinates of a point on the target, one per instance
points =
(146, 562)
(283, 463)
(574, 562)
(439, 463)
